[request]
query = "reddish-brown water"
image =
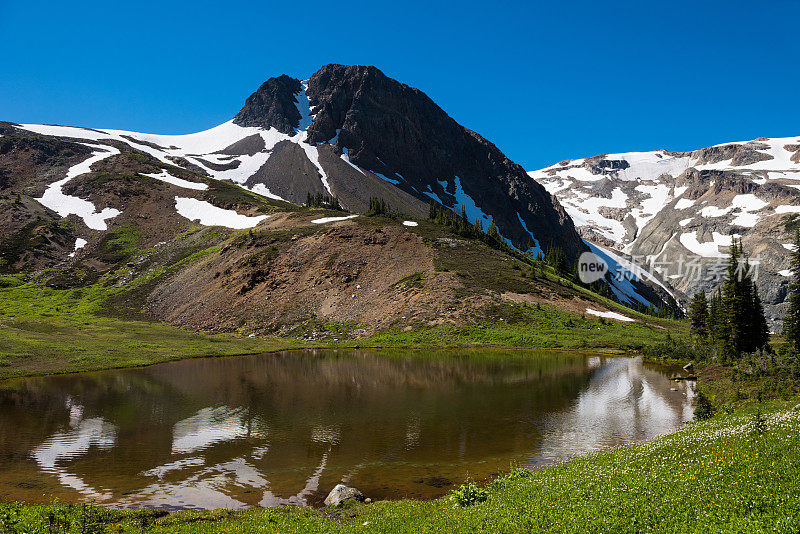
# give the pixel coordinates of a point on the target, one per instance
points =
(285, 428)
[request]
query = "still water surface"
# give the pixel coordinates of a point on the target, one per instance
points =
(285, 428)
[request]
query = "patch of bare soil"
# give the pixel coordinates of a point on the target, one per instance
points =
(28, 164)
(291, 273)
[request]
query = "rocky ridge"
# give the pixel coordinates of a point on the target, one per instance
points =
(676, 213)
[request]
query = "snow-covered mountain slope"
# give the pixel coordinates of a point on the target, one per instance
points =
(352, 133)
(348, 132)
(678, 211)
(174, 244)
(208, 151)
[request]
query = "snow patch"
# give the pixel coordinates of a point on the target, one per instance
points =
(708, 249)
(787, 209)
(659, 197)
(535, 250)
(610, 315)
(333, 219)
(164, 176)
(649, 166)
(346, 158)
(65, 205)
(79, 244)
(263, 190)
(748, 202)
(743, 206)
(410, 223)
(210, 215)
(714, 211)
(747, 220)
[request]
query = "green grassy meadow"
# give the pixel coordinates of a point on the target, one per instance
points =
(45, 330)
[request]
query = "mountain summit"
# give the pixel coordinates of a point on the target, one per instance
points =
(102, 206)
(389, 133)
(273, 105)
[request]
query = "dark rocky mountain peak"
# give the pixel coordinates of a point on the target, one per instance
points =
(273, 105)
(390, 128)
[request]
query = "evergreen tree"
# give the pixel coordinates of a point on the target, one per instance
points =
(713, 314)
(557, 259)
(791, 322)
(378, 206)
(699, 315)
(732, 302)
(463, 221)
(492, 232)
(754, 331)
(736, 315)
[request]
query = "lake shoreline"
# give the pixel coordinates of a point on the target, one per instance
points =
(288, 345)
(394, 423)
(545, 499)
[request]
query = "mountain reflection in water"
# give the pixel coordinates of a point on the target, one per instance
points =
(285, 428)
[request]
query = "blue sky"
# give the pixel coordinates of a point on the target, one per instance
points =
(542, 80)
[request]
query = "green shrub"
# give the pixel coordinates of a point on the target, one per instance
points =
(703, 408)
(11, 280)
(514, 474)
(469, 493)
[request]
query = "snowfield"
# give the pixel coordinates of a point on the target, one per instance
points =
(65, 205)
(652, 178)
(164, 176)
(209, 215)
(681, 211)
(203, 149)
(610, 315)
(333, 219)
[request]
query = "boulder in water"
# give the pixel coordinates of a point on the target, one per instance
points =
(341, 494)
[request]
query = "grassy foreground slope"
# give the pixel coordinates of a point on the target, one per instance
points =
(44, 330)
(734, 473)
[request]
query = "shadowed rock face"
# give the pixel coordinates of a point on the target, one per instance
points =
(396, 130)
(273, 105)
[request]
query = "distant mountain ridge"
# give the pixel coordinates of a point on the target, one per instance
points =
(669, 208)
